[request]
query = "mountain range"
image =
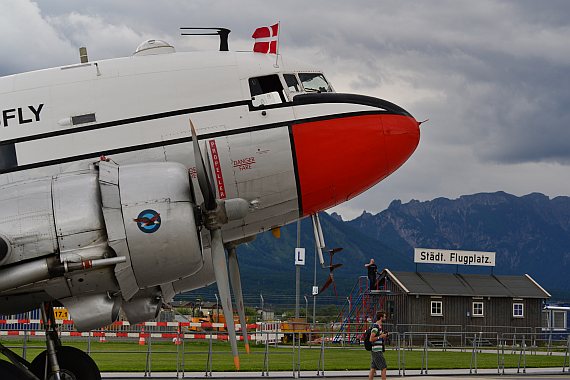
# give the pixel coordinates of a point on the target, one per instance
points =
(530, 234)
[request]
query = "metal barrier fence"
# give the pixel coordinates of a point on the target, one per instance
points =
(403, 347)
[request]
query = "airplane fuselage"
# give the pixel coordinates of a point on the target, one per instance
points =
(288, 150)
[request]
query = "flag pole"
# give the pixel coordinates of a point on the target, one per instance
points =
(277, 50)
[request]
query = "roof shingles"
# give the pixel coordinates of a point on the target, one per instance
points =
(472, 285)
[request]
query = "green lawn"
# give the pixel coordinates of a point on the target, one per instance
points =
(117, 356)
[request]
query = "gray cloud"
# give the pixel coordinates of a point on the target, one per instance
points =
(492, 76)
(28, 40)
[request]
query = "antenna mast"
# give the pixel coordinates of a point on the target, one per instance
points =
(222, 32)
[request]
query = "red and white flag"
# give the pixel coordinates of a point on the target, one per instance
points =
(266, 39)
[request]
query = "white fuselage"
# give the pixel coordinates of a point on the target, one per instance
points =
(136, 110)
(141, 107)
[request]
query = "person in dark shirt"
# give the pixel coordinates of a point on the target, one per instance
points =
(372, 269)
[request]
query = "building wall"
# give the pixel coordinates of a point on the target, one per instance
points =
(413, 313)
(400, 314)
(497, 312)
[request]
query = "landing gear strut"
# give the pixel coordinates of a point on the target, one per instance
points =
(56, 363)
(59, 362)
(52, 343)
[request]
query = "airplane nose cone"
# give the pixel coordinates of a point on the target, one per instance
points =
(401, 137)
(340, 157)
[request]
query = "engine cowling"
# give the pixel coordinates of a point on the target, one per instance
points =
(149, 216)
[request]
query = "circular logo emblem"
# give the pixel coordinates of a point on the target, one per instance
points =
(148, 221)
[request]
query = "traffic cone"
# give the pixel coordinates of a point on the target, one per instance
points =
(102, 338)
(142, 341)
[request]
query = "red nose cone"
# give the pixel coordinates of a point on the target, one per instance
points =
(340, 158)
(401, 135)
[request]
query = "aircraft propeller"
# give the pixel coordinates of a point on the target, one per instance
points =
(332, 267)
(217, 212)
(235, 279)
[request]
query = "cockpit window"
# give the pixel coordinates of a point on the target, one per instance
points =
(292, 82)
(313, 82)
(266, 90)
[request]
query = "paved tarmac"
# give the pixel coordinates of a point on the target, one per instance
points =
(461, 374)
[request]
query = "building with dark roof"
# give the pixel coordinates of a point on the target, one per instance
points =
(462, 302)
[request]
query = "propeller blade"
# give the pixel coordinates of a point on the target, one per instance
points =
(221, 274)
(335, 250)
(334, 266)
(235, 280)
(334, 288)
(327, 284)
(206, 185)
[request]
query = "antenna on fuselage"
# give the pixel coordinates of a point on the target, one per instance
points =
(222, 32)
(83, 58)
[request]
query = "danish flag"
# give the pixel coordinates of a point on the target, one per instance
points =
(266, 39)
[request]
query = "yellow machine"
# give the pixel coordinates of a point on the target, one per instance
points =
(298, 326)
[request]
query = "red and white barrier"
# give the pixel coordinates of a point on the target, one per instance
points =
(205, 325)
(176, 336)
(107, 334)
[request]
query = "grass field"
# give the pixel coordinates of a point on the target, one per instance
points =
(129, 356)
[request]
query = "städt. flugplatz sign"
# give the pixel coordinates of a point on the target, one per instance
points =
(443, 256)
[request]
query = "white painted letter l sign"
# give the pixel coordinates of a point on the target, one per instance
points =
(299, 256)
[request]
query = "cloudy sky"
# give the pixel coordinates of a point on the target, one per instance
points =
(493, 77)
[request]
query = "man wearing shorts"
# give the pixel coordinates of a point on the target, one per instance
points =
(377, 336)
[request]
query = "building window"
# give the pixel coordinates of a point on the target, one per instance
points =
(559, 320)
(554, 319)
(477, 309)
(437, 308)
(518, 310)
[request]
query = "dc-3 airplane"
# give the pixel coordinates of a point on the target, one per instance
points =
(123, 181)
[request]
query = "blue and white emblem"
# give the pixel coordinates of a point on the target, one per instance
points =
(148, 221)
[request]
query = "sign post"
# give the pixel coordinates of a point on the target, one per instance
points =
(299, 261)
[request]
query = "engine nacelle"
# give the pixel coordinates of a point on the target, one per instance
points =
(149, 216)
(54, 215)
(143, 212)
